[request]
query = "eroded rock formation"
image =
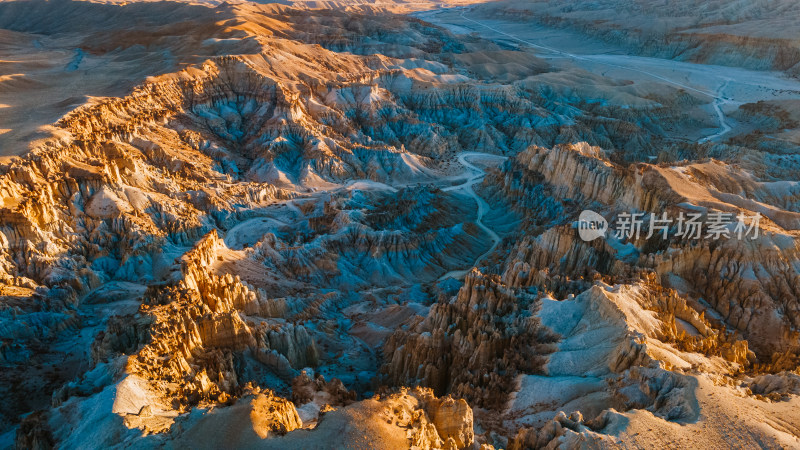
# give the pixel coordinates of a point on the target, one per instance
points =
(263, 244)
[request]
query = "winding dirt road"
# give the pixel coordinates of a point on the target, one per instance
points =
(727, 87)
(724, 125)
(483, 207)
(719, 99)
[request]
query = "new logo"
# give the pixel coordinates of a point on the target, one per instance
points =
(591, 225)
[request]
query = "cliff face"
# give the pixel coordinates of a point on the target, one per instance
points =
(132, 190)
(716, 270)
(375, 218)
(583, 173)
(169, 162)
(662, 312)
(473, 346)
(199, 326)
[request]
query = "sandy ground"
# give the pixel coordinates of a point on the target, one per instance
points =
(50, 68)
(725, 87)
(728, 419)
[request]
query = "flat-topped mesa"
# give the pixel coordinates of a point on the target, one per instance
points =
(463, 346)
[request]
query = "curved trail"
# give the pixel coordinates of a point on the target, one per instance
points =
(483, 207)
(725, 127)
(718, 97)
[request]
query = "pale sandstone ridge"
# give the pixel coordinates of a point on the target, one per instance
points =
(400, 420)
(196, 324)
